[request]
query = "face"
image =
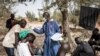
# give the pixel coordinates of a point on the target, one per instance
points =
(31, 38)
(23, 23)
(12, 16)
(46, 15)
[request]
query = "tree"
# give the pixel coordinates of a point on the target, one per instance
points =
(62, 5)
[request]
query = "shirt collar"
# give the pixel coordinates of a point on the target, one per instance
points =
(51, 20)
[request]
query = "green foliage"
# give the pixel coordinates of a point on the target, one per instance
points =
(30, 16)
(19, 18)
(87, 2)
(57, 16)
(40, 19)
(4, 15)
(62, 4)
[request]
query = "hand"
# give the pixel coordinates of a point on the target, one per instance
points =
(15, 46)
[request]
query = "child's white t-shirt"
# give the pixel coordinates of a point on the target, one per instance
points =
(23, 49)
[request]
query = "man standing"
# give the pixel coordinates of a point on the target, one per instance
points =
(50, 27)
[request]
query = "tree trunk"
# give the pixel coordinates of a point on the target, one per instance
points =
(66, 29)
(65, 45)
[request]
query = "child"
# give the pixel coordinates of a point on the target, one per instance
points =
(31, 46)
(33, 49)
(26, 40)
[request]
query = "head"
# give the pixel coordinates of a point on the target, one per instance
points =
(95, 31)
(78, 40)
(12, 16)
(46, 15)
(31, 37)
(22, 23)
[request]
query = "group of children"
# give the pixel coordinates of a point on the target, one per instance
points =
(19, 41)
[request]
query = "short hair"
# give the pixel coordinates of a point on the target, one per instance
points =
(22, 21)
(33, 37)
(30, 34)
(12, 15)
(78, 40)
(95, 31)
(46, 13)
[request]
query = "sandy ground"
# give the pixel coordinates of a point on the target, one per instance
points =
(2, 51)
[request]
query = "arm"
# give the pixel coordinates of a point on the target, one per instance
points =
(31, 49)
(16, 39)
(39, 31)
(17, 30)
(8, 24)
